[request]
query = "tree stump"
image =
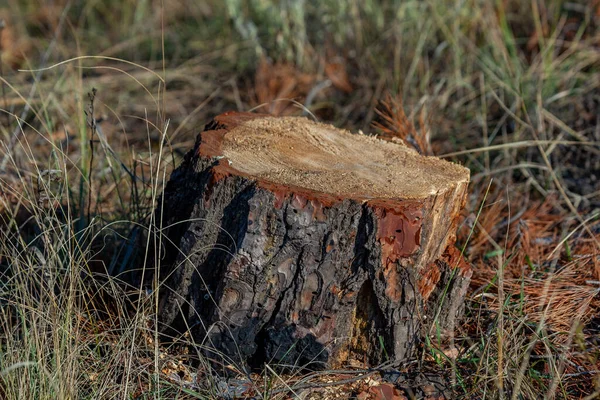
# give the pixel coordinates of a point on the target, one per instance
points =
(295, 242)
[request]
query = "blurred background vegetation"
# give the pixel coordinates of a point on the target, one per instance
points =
(509, 88)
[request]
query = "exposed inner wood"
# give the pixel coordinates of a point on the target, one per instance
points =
(299, 152)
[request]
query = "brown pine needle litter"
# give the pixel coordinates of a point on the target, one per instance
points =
(397, 125)
(509, 88)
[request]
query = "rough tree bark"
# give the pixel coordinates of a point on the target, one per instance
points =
(295, 242)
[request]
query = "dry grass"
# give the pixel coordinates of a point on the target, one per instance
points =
(510, 89)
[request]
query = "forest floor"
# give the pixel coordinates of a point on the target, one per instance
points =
(99, 101)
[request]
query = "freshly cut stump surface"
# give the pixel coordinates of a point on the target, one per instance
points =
(294, 151)
(296, 242)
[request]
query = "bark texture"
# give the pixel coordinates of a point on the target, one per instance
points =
(262, 271)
